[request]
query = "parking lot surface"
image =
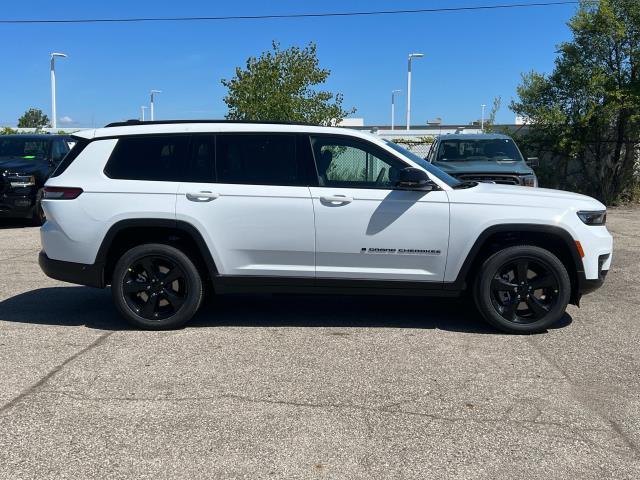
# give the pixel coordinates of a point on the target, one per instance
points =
(315, 387)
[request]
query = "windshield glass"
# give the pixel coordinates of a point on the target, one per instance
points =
(23, 147)
(473, 149)
(435, 171)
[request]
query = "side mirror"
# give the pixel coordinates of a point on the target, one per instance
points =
(414, 179)
(533, 161)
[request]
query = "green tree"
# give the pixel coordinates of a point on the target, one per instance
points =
(33, 118)
(490, 121)
(586, 113)
(280, 85)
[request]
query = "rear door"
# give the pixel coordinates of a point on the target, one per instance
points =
(253, 207)
(365, 227)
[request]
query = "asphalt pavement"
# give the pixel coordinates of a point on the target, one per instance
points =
(315, 387)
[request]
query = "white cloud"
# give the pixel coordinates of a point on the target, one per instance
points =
(66, 119)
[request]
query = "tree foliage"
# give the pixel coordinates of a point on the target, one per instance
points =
(586, 113)
(33, 118)
(490, 121)
(280, 85)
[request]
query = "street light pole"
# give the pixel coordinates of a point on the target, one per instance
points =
(153, 92)
(142, 109)
(54, 113)
(411, 57)
(393, 108)
(482, 119)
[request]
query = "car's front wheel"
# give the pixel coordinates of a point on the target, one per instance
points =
(156, 287)
(522, 289)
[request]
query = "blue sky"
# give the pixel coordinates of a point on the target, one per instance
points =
(471, 57)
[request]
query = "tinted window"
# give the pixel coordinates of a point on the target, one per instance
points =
(78, 147)
(259, 160)
(343, 162)
(159, 158)
(24, 147)
(494, 149)
(59, 150)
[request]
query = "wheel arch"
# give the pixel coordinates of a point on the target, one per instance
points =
(553, 238)
(128, 233)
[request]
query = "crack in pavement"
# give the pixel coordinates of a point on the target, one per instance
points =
(584, 399)
(572, 433)
(33, 388)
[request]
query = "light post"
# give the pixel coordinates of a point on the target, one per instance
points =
(54, 113)
(482, 119)
(393, 108)
(153, 92)
(411, 57)
(142, 109)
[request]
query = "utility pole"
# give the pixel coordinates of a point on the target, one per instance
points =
(153, 92)
(54, 113)
(411, 57)
(393, 108)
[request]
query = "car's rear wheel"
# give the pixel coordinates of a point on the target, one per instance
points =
(522, 289)
(156, 287)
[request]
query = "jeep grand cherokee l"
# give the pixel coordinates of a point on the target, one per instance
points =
(159, 210)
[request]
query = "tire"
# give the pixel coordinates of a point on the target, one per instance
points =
(38, 217)
(506, 289)
(156, 287)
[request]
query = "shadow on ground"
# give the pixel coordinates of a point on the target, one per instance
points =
(6, 223)
(77, 306)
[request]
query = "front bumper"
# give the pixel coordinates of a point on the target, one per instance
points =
(17, 206)
(79, 273)
(585, 285)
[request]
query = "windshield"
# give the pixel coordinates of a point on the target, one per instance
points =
(23, 147)
(473, 149)
(435, 171)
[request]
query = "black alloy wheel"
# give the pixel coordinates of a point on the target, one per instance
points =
(522, 289)
(156, 287)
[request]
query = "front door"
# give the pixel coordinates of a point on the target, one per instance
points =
(366, 229)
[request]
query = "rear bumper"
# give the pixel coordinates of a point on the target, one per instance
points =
(80, 273)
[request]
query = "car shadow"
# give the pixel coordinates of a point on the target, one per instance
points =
(93, 308)
(7, 223)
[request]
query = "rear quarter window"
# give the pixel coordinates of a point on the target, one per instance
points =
(164, 158)
(78, 147)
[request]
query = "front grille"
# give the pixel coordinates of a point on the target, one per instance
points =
(501, 179)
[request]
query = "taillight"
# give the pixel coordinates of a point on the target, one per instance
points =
(61, 193)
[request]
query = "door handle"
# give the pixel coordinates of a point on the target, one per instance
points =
(203, 196)
(336, 199)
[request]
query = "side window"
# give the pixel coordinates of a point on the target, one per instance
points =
(201, 160)
(343, 162)
(260, 159)
(158, 157)
(58, 150)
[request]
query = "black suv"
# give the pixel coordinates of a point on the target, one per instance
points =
(26, 161)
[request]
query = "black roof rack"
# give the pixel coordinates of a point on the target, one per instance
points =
(129, 123)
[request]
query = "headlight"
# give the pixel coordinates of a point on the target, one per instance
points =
(593, 218)
(16, 180)
(530, 181)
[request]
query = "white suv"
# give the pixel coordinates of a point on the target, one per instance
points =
(160, 210)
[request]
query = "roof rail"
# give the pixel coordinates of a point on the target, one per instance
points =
(128, 123)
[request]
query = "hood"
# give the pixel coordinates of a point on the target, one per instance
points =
(485, 166)
(22, 165)
(495, 194)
